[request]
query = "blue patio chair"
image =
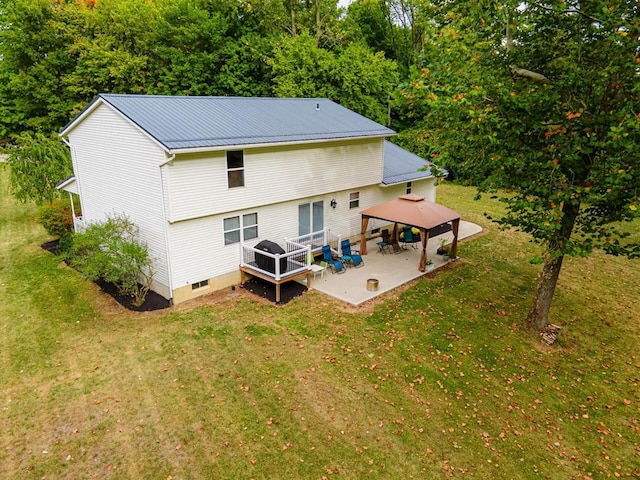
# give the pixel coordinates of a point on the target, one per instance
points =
(350, 256)
(407, 237)
(385, 243)
(336, 265)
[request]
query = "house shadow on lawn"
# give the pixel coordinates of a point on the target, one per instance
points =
(267, 290)
(153, 301)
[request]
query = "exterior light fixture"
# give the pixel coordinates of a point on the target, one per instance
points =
(333, 203)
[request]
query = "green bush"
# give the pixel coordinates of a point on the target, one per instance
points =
(57, 218)
(65, 245)
(111, 251)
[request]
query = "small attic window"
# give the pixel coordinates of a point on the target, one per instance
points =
(235, 168)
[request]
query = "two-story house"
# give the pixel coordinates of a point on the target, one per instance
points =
(201, 176)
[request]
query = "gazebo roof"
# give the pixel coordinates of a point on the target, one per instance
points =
(412, 209)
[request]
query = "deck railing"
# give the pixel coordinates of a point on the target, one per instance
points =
(316, 240)
(297, 259)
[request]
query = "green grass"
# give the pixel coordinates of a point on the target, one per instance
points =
(440, 380)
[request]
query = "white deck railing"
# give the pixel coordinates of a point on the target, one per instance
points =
(296, 260)
(316, 240)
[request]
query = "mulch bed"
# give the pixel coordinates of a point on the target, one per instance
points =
(51, 246)
(267, 290)
(153, 300)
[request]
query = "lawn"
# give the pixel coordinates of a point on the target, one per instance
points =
(437, 380)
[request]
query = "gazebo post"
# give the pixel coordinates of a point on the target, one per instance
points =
(455, 224)
(424, 236)
(363, 235)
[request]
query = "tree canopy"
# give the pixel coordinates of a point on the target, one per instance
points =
(542, 102)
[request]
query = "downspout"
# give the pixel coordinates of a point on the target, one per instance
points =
(167, 250)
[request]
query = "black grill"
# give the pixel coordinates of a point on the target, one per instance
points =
(267, 263)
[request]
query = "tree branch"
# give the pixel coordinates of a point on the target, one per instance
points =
(571, 10)
(521, 72)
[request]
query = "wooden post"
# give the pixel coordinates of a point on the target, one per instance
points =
(454, 245)
(363, 235)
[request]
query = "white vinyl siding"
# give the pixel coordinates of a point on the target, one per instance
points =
(197, 246)
(198, 183)
(117, 170)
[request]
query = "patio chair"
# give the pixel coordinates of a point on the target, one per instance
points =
(385, 244)
(336, 265)
(396, 247)
(407, 237)
(350, 256)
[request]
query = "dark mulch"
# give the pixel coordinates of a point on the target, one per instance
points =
(153, 301)
(267, 290)
(51, 246)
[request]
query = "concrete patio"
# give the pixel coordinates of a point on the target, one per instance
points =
(391, 270)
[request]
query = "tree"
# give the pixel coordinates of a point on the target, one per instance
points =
(34, 36)
(354, 76)
(542, 100)
(37, 164)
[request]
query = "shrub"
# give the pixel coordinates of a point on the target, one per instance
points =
(57, 218)
(64, 246)
(111, 251)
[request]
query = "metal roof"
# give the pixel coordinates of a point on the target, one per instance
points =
(402, 166)
(184, 122)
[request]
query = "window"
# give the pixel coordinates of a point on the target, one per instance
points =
(310, 217)
(408, 187)
(354, 200)
(201, 284)
(240, 228)
(235, 168)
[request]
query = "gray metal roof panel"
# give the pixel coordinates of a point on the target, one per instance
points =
(199, 122)
(402, 166)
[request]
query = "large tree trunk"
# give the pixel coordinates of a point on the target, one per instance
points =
(538, 317)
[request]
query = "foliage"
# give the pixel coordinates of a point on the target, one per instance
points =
(111, 251)
(57, 218)
(65, 245)
(354, 77)
(58, 55)
(552, 117)
(34, 41)
(37, 164)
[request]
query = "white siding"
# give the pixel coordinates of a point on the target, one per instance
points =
(117, 170)
(197, 246)
(198, 184)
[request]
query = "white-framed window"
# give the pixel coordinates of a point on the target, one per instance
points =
(408, 187)
(354, 200)
(240, 228)
(235, 168)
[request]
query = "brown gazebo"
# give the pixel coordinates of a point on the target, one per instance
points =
(415, 211)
